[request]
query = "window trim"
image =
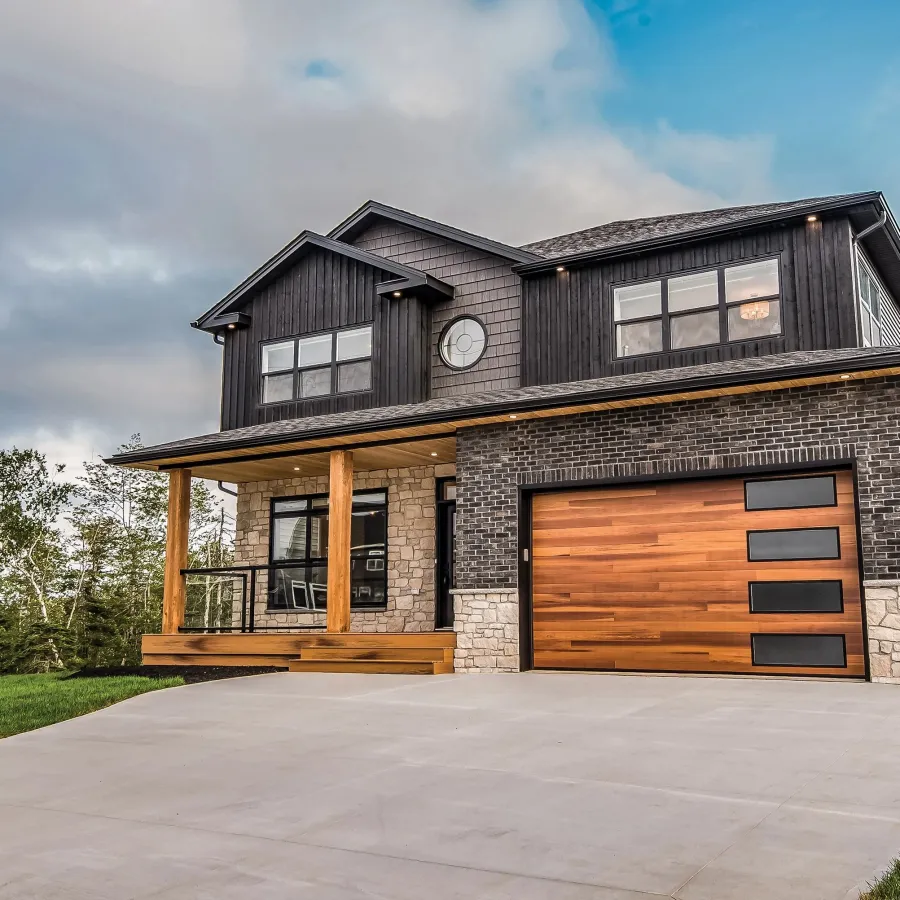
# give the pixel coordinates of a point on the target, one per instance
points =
(782, 559)
(749, 481)
(722, 306)
(797, 612)
(757, 634)
(447, 327)
(310, 561)
(333, 366)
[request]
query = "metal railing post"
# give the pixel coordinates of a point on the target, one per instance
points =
(252, 599)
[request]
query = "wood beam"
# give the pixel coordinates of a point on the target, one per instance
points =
(340, 508)
(177, 526)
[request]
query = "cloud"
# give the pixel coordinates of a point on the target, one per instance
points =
(156, 151)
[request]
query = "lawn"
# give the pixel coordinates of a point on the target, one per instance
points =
(32, 701)
(887, 887)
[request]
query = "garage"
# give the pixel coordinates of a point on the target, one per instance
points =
(745, 575)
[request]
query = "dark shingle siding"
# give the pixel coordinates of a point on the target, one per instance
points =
(807, 424)
(484, 286)
(631, 231)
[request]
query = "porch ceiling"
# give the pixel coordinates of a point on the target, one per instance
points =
(425, 452)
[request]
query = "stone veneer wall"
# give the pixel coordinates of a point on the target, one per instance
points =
(410, 550)
(850, 421)
(883, 620)
(487, 630)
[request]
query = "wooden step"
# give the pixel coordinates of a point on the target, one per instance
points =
(380, 666)
(396, 654)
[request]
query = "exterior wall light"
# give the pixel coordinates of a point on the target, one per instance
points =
(398, 293)
(560, 268)
(845, 377)
(434, 454)
(812, 218)
(232, 326)
(514, 417)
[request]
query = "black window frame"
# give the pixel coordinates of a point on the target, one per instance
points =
(797, 665)
(787, 478)
(307, 561)
(798, 612)
(334, 366)
(780, 559)
(722, 306)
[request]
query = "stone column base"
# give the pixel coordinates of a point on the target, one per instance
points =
(487, 630)
(883, 621)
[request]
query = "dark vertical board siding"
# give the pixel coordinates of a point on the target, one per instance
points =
(569, 332)
(325, 291)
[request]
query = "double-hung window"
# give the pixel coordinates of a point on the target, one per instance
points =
(879, 317)
(678, 312)
(298, 577)
(317, 365)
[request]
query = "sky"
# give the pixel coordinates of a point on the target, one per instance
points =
(154, 152)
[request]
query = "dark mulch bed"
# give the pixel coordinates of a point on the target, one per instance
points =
(190, 674)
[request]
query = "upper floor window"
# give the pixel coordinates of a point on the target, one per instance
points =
(879, 326)
(683, 311)
(333, 362)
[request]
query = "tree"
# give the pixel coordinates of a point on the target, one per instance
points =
(81, 565)
(33, 571)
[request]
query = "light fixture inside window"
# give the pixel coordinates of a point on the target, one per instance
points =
(755, 311)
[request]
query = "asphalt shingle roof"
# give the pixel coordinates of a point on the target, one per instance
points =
(631, 231)
(750, 370)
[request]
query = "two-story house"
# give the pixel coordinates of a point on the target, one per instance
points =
(664, 444)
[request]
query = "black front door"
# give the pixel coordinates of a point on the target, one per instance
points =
(446, 551)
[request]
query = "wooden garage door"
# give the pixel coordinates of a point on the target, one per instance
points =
(700, 576)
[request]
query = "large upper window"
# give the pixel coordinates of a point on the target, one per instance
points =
(683, 311)
(333, 362)
(879, 327)
(298, 579)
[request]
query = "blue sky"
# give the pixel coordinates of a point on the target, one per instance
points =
(155, 153)
(821, 78)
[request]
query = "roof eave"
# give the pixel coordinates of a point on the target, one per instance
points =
(285, 258)
(825, 367)
(548, 263)
(357, 222)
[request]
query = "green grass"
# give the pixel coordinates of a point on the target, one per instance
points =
(887, 887)
(32, 701)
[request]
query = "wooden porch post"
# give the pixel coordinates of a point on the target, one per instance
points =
(340, 507)
(176, 549)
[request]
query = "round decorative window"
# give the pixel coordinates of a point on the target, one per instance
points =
(463, 342)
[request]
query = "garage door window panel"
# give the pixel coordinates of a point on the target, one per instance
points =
(796, 597)
(826, 651)
(790, 493)
(787, 544)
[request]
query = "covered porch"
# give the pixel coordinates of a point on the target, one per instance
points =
(335, 561)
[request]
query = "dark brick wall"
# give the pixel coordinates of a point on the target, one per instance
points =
(857, 420)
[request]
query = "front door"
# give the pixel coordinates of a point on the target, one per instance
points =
(446, 551)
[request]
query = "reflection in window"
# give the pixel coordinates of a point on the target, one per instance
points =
(335, 362)
(299, 552)
(879, 317)
(793, 543)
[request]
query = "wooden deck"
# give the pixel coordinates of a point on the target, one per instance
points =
(429, 652)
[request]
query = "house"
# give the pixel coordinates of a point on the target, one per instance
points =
(664, 444)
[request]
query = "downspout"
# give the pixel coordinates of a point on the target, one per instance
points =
(882, 221)
(226, 490)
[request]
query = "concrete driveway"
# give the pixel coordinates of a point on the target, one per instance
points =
(562, 786)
